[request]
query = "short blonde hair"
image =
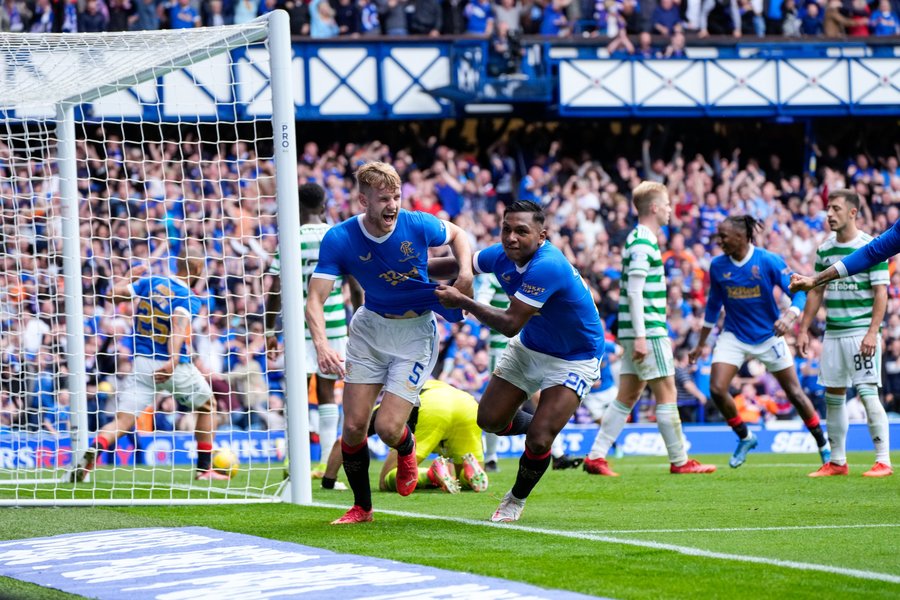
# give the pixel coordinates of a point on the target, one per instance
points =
(378, 176)
(645, 193)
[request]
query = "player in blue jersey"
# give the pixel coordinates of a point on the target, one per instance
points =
(164, 307)
(743, 280)
(882, 248)
(393, 337)
(556, 346)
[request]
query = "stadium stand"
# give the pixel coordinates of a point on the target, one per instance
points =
(586, 192)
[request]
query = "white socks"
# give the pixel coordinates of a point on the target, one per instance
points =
(838, 423)
(611, 425)
(328, 422)
(558, 448)
(669, 422)
(490, 447)
(878, 422)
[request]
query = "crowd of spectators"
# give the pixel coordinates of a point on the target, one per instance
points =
(608, 19)
(142, 202)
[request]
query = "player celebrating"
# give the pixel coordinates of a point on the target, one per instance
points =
(743, 281)
(647, 359)
(494, 295)
(164, 308)
(852, 347)
(393, 337)
(312, 230)
(556, 345)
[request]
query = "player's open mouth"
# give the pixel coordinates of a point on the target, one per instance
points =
(389, 218)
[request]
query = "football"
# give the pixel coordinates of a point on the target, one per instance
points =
(226, 462)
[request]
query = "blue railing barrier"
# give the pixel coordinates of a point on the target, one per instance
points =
(437, 78)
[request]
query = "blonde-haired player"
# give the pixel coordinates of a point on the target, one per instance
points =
(852, 349)
(393, 337)
(647, 359)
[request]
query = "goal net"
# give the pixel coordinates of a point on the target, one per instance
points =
(144, 180)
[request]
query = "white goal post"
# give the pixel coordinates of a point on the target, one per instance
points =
(106, 176)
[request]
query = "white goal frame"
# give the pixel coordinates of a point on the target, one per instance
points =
(62, 102)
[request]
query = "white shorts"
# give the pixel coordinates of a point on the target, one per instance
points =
(658, 363)
(398, 353)
(532, 371)
(773, 353)
(596, 403)
(842, 365)
(339, 345)
(187, 385)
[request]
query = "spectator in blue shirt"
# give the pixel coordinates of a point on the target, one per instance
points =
(811, 21)
(368, 18)
(554, 22)
(321, 17)
(183, 16)
(665, 17)
(480, 16)
(92, 20)
(884, 22)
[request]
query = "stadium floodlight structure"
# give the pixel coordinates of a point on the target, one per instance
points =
(104, 168)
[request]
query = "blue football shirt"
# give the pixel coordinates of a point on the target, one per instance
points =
(567, 325)
(392, 269)
(746, 290)
(158, 297)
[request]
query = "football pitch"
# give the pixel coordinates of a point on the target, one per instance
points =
(764, 530)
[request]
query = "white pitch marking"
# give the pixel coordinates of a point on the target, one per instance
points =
(686, 550)
(739, 529)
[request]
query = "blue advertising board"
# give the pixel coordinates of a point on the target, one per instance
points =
(30, 451)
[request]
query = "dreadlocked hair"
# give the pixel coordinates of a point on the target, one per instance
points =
(750, 225)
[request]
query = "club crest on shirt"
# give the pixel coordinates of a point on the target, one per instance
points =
(754, 272)
(408, 252)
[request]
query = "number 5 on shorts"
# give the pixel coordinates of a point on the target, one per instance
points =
(416, 373)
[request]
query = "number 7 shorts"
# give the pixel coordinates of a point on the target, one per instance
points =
(842, 365)
(532, 371)
(398, 353)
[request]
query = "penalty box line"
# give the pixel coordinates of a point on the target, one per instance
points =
(685, 550)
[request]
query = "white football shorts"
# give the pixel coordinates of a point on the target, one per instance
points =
(532, 371)
(398, 353)
(842, 365)
(774, 353)
(187, 385)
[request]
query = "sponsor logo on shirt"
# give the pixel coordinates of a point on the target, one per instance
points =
(532, 290)
(393, 277)
(740, 292)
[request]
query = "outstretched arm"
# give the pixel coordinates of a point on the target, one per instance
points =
(880, 249)
(509, 322)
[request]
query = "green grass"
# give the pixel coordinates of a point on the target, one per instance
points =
(768, 492)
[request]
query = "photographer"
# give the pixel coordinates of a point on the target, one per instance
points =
(506, 51)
